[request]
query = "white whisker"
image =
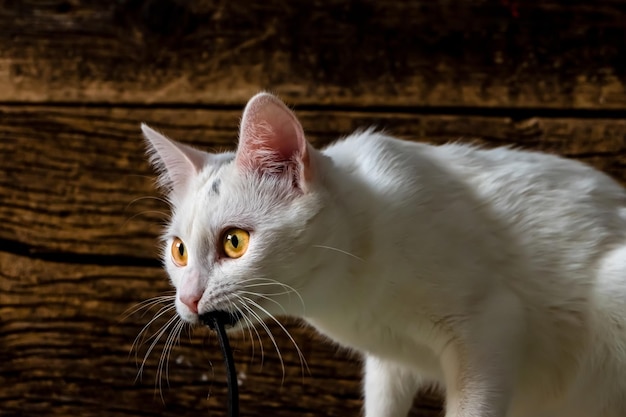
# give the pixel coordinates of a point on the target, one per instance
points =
(141, 335)
(303, 362)
(267, 282)
(164, 215)
(157, 337)
(167, 351)
(339, 250)
(251, 325)
(148, 197)
(158, 314)
(265, 297)
(268, 331)
(146, 305)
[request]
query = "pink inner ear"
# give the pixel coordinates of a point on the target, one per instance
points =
(271, 138)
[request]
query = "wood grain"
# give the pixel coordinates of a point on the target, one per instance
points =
(77, 248)
(76, 182)
(557, 54)
(66, 350)
(80, 217)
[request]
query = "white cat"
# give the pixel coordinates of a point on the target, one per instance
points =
(498, 274)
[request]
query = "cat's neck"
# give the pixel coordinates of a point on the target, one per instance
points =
(342, 243)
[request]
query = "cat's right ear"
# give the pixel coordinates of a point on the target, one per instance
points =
(175, 162)
(272, 142)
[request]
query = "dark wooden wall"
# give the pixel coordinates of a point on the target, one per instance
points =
(78, 240)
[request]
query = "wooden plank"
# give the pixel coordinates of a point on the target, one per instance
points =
(67, 177)
(64, 350)
(560, 54)
(76, 181)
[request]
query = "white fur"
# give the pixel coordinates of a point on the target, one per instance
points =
(498, 274)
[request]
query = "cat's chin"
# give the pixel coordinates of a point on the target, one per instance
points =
(227, 318)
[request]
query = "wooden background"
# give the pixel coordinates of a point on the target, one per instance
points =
(78, 239)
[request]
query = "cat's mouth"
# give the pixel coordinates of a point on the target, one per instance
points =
(230, 319)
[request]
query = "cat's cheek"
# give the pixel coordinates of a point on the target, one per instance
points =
(177, 279)
(173, 273)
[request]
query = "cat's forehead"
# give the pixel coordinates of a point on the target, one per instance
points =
(201, 192)
(222, 195)
(210, 173)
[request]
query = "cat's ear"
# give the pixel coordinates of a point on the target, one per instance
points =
(177, 163)
(271, 141)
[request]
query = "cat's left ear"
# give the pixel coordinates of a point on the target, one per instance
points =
(272, 142)
(176, 162)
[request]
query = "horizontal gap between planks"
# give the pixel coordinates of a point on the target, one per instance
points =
(22, 249)
(517, 113)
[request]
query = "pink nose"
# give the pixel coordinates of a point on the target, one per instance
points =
(191, 301)
(191, 289)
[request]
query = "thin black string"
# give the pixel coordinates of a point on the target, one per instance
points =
(216, 323)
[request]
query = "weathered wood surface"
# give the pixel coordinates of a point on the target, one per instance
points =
(488, 53)
(65, 351)
(79, 218)
(77, 249)
(86, 171)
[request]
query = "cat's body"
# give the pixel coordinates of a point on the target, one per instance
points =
(499, 274)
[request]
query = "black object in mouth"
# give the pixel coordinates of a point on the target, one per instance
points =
(217, 320)
(228, 318)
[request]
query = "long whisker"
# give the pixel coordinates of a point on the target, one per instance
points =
(158, 314)
(250, 325)
(175, 342)
(267, 330)
(265, 297)
(303, 362)
(266, 282)
(146, 305)
(148, 197)
(339, 250)
(164, 360)
(162, 214)
(141, 337)
(271, 293)
(157, 337)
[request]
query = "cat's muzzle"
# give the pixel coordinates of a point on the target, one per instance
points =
(229, 319)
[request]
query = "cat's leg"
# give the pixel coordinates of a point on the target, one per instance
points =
(481, 366)
(389, 388)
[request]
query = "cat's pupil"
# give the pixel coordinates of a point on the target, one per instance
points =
(234, 241)
(181, 249)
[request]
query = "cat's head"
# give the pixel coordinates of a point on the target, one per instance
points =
(242, 224)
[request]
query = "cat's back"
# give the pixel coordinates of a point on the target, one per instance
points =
(508, 180)
(500, 174)
(538, 197)
(542, 196)
(389, 167)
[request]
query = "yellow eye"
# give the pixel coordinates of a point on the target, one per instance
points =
(179, 252)
(235, 242)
